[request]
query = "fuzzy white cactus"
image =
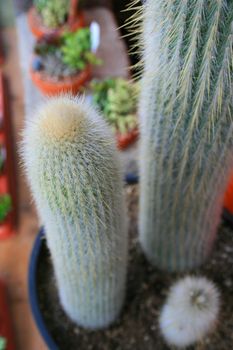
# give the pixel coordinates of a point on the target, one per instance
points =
(190, 312)
(73, 169)
(186, 113)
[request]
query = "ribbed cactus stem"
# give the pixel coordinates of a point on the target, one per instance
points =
(73, 169)
(186, 127)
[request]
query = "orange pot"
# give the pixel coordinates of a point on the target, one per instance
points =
(6, 229)
(3, 184)
(71, 84)
(228, 200)
(124, 140)
(39, 30)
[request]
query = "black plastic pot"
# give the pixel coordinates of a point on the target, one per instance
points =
(33, 296)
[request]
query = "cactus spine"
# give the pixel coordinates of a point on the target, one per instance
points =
(186, 127)
(73, 171)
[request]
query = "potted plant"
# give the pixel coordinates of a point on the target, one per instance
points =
(6, 334)
(78, 264)
(63, 64)
(117, 100)
(78, 192)
(48, 17)
(80, 200)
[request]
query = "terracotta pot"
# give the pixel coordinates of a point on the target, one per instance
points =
(228, 200)
(71, 84)
(3, 184)
(124, 140)
(6, 229)
(5, 321)
(39, 30)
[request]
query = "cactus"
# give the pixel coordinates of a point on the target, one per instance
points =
(117, 100)
(190, 311)
(53, 12)
(73, 171)
(186, 127)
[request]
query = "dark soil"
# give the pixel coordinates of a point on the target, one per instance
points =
(137, 328)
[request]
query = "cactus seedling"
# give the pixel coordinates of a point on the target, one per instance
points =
(73, 170)
(190, 312)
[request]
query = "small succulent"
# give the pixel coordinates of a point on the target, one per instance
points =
(5, 206)
(76, 49)
(117, 100)
(54, 66)
(65, 56)
(53, 12)
(190, 312)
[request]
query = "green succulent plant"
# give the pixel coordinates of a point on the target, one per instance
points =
(3, 343)
(117, 100)
(53, 12)
(5, 206)
(66, 56)
(76, 49)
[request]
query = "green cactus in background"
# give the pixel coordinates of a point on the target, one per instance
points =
(117, 99)
(186, 127)
(73, 170)
(76, 49)
(53, 12)
(5, 206)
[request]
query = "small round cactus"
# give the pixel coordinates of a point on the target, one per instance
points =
(73, 169)
(190, 312)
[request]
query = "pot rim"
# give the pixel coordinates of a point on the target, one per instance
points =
(32, 289)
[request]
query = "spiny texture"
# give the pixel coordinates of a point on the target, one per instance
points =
(190, 312)
(186, 127)
(73, 170)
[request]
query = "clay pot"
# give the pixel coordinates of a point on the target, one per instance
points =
(124, 140)
(48, 86)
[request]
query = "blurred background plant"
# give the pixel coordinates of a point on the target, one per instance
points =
(117, 100)
(5, 206)
(3, 343)
(53, 12)
(70, 54)
(76, 49)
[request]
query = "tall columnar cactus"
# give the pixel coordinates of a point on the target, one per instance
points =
(186, 121)
(73, 170)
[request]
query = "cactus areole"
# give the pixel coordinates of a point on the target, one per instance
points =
(73, 170)
(186, 127)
